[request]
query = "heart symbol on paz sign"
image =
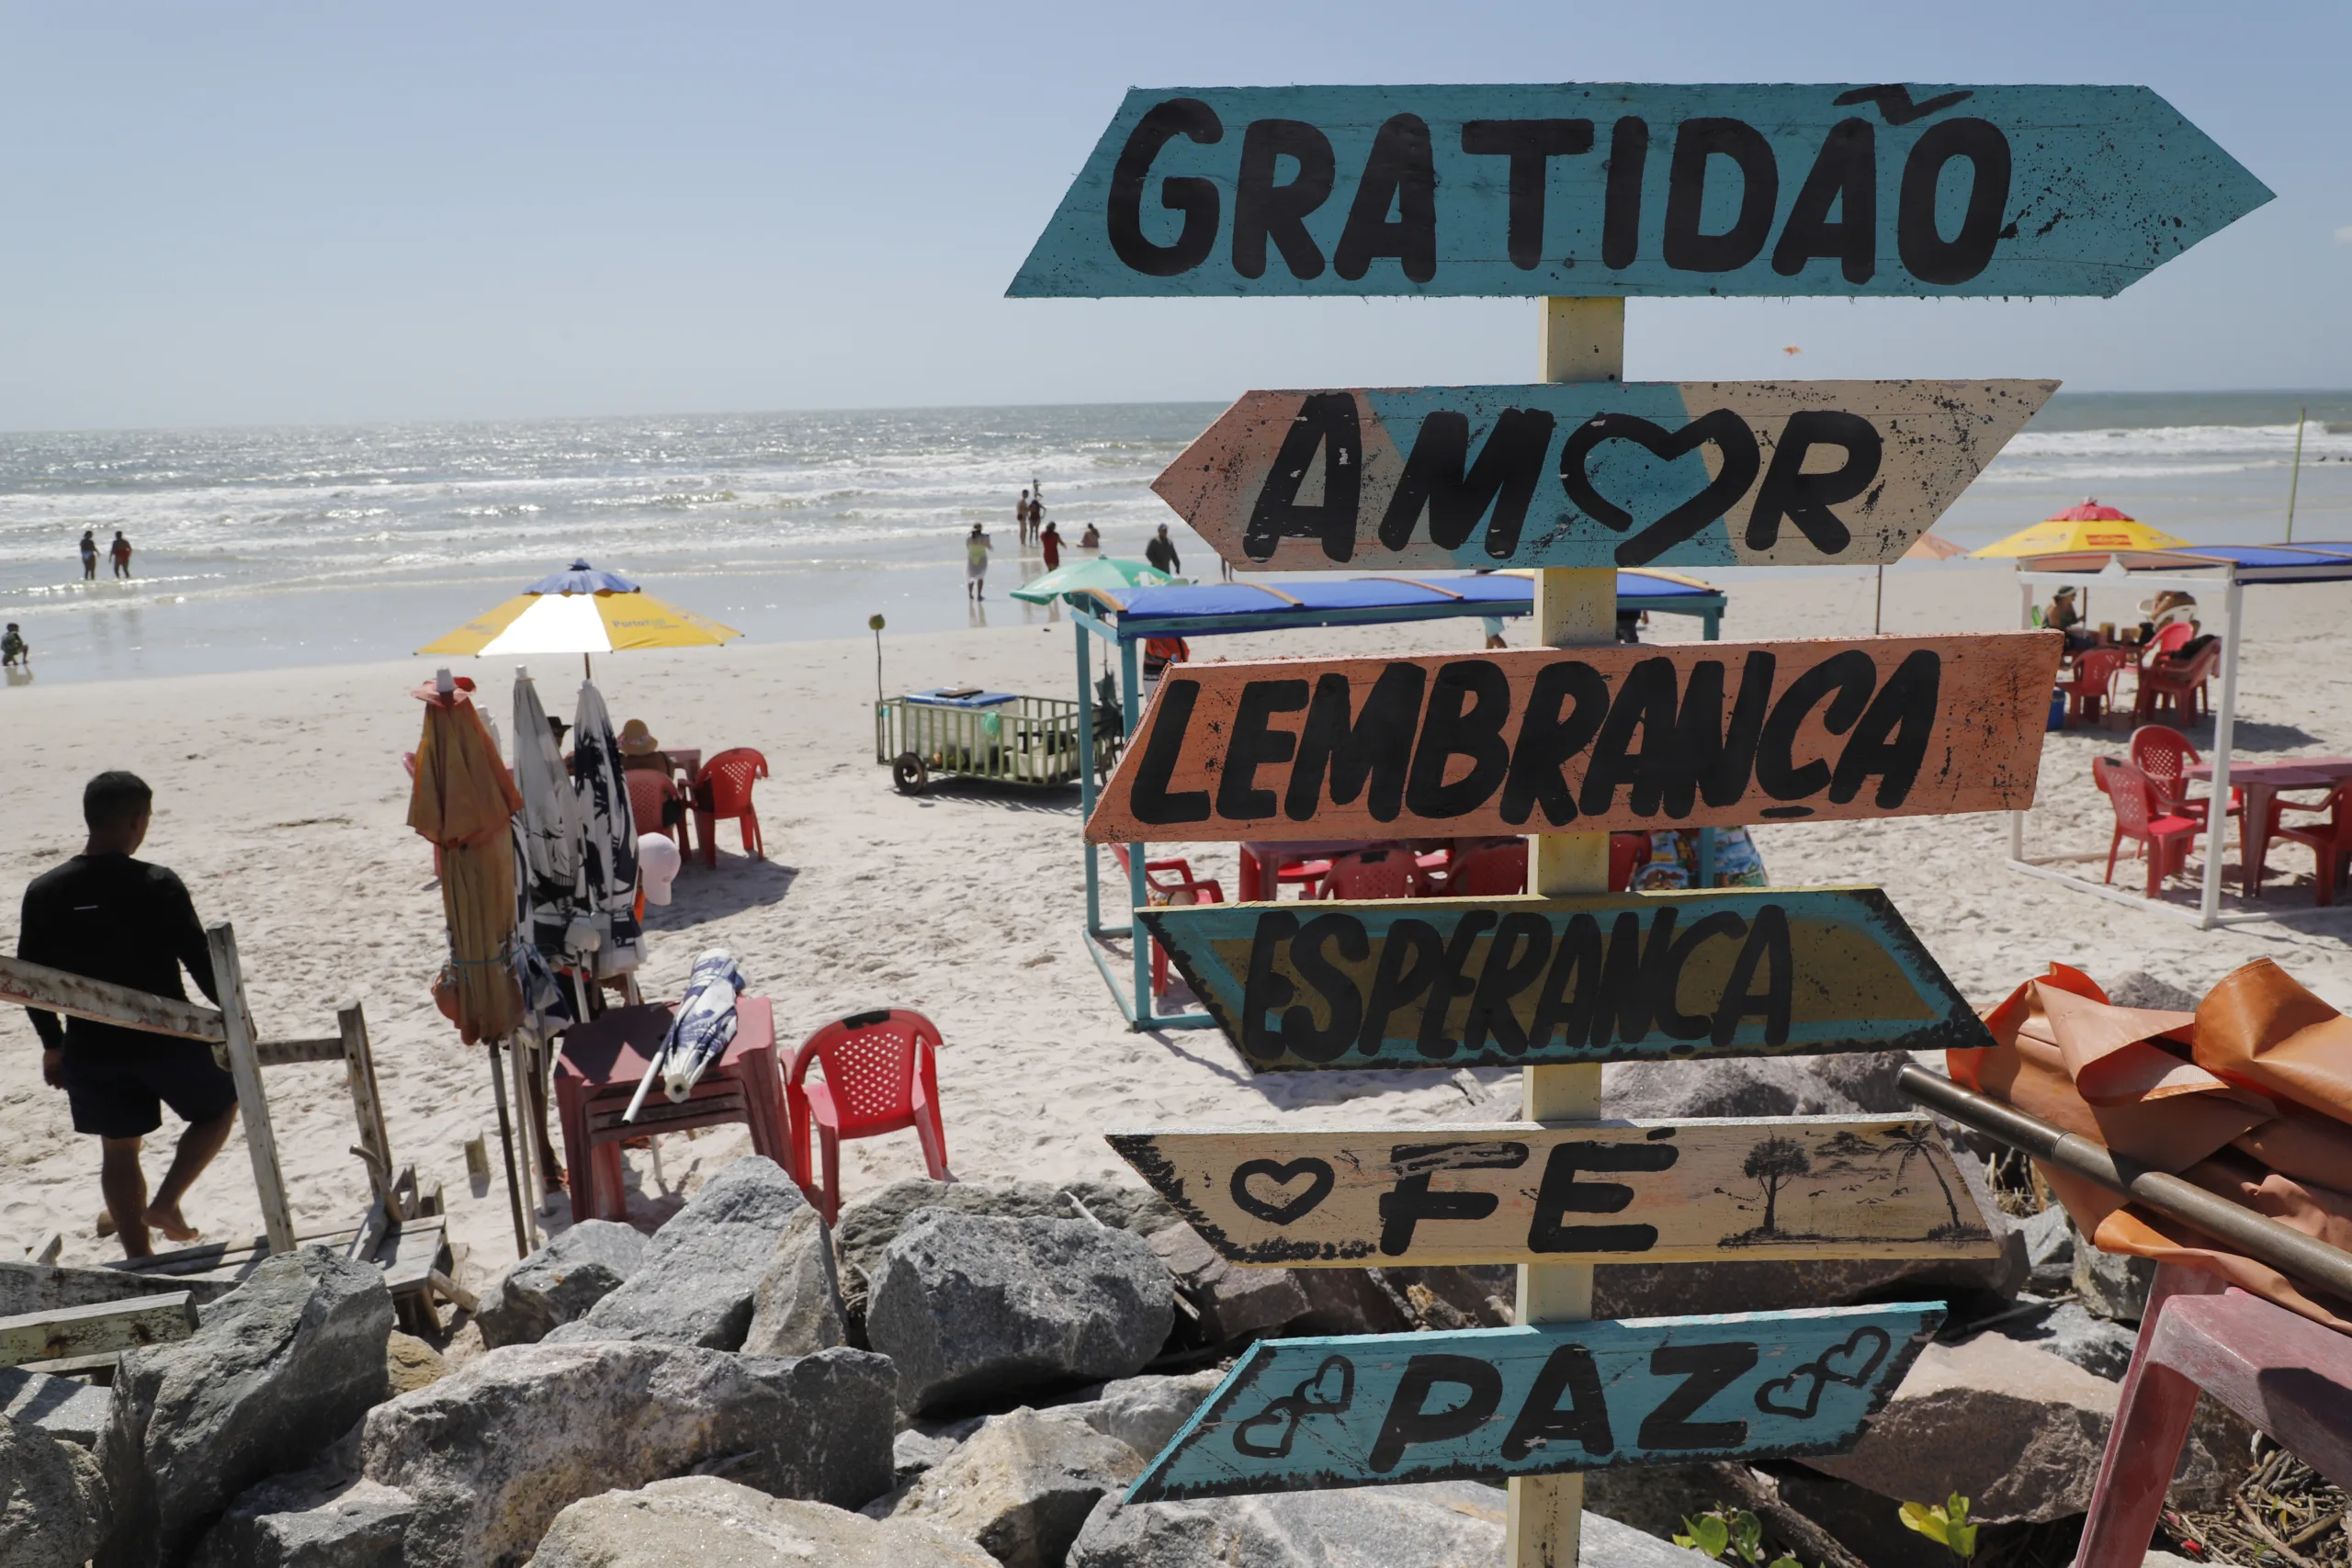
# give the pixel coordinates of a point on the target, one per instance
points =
(1282, 1206)
(1727, 431)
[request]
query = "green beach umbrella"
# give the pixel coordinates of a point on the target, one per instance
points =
(1097, 572)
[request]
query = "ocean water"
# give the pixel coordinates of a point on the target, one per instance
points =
(258, 549)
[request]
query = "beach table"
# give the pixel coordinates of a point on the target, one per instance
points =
(605, 1059)
(2262, 782)
(1262, 860)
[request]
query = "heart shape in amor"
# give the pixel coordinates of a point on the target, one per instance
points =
(1274, 1200)
(1734, 442)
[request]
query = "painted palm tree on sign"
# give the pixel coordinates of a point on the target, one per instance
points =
(1917, 1140)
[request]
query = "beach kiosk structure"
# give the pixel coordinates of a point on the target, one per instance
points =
(1127, 618)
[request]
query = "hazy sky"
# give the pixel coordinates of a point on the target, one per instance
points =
(240, 213)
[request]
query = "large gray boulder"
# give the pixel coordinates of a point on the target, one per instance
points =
(2113, 1284)
(559, 1283)
(2049, 1248)
(698, 1278)
(865, 1227)
(323, 1517)
(1147, 1413)
(1232, 1301)
(2100, 1346)
(1022, 1486)
(973, 1309)
(51, 1499)
(276, 1371)
(491, 1453)
(796, 1307)
(703, 1522)
(1452, 1524)
(65, 1409)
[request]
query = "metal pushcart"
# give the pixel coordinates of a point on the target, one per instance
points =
(962, 732)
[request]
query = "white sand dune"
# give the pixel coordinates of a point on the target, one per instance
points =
(280, 800)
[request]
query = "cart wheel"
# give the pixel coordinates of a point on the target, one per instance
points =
(910, 773)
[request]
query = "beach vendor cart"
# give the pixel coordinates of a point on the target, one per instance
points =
(965, 733)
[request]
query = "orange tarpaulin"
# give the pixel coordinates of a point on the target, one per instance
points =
(2249, 1096)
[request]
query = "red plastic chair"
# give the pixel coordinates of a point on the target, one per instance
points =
(2169, 640)
(2330, 841)
(1491, 870)
(649, 792)
(1625, 853)
(2165, 837)
(1169, 882)
(2167, 683)
(2165, 756)
(2091, 694)
(1307, 874)
(723, 790)
(881, 1074)
(1388, 873)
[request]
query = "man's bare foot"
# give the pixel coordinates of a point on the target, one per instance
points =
(169, 1221)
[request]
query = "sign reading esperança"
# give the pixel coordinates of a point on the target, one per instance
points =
(1635, 189)
(1296, 1415)
(1596, 977)
(1598, 739)
(1590, 474)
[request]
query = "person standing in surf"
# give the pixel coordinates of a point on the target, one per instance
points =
(121, 551)
(976, 563)
(89, 557)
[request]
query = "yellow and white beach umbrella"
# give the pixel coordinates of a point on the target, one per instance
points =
(582, 611)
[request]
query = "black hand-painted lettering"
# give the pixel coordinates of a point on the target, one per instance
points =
(1409, 1421)
(1549, 739)
(1633, 976)
(1150, 800)
(1804, 499)
(1731, 438)
(1410, 960)
(1267, 990)
(1930, 257)
(1571, 987)
(1845, 680)
(1890, 741)
(1844, 174)
(1400, 174)
(1264, 210)
(1621, 220)
(1326, 423)
(1516, 956)
(1469, 705)
(1367, 753)
(1410, 1201)
(1433, 1042)
(1342, 1002)
(1893, 101)
(1530, 145)
(1280, 1206)
(1644, 706)
(1704, 758)
(1540, 1422)
(1562, 1194)
(1253, 744)
(1768, 946)
(1699, 141)
(1707, 1372)
(1192, 196)
(1440, 478)
(1678, 1024)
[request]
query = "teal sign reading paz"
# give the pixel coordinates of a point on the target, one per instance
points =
(1635, 189)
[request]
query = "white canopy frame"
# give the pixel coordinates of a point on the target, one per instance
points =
(2209, 913)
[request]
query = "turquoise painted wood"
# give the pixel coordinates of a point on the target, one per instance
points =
(1615, 189)
(1525, 981)
(1298, 1415)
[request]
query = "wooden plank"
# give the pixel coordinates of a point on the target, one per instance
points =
(1297, 1415)
(253, 1102)
(54, 990)
(1593, 738)
(296, 1052)
(367, 1100)
(418, 1249)
(1591, 474)
(31, 1287)
(1625, 189)
(1343, 986)
(1716, 1190)
(95, 1329)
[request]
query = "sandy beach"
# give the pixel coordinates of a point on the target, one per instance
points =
(280, 800)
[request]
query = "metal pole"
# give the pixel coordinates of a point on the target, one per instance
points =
(2295, 476)
(506, 1142)
(2225, 724)
(1086, 784)
(1878, 604)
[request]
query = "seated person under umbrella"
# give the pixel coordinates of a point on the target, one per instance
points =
(2064, 616)
(640, 749)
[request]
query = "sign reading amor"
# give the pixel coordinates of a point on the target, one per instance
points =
(1593, 474)
(1599, 738)
(1603, 977)
(1635, 189)
(1299, 1414)
(1787, 1188)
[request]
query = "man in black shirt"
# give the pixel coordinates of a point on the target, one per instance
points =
(1161, 553)
(107, 916)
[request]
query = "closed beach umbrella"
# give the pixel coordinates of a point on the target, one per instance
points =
(553, 830)
(614, 944)
(464, 801)
(582, 611)
(2089, 527)
(1106, 572)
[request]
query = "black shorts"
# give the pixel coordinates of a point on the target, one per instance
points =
(121, 1093)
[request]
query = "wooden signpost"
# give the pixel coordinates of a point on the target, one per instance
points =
(1635, 189)
(1696, 473)
(1301, 1414)
(1596, 740)
(1785, 1188)
(1513, 982)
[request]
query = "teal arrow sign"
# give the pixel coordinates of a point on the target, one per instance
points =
(1297, 1415)
(1635, 189)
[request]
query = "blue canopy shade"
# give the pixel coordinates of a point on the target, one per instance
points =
(1206, 609)
(582, 579)
(2322, 562)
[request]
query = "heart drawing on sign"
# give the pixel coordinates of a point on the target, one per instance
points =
(1281, 1204)
(1856, 1360)
(1734, 442)
(1799, 1393)
(1270, 1433)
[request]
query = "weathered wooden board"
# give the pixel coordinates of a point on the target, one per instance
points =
(1744, 1190)
(95, 1329)
(1590, 474)
(1590, 977)
(1297, 1415)
(54, 990)
(1619, 189)
(1599, 739)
